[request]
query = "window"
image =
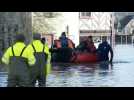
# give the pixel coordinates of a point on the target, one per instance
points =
(85, 14)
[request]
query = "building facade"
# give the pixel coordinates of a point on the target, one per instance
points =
(98, 25)
(124, 27)
(77, 25)
(95, 24)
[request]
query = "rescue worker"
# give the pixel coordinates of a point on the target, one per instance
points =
(41, 53)
(103, 51)
(48, 64)
(64, 42)
(19, 59)
(65, 48)
(43, 40)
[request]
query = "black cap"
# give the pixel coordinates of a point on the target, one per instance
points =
(43, 40)
(104, 39)
(90, 37)
(37, 36)
(20, 38)
(63, 33)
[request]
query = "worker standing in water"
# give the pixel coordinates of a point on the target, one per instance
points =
(41, 53)
(103, 51)
(18, 57)
(48, 63)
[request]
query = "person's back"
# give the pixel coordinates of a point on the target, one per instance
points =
(64, 42)
(48, 63)
(103, 51)
(65, 52)
(64, 47)
(41, 57)
(18, 65)
(19, 58)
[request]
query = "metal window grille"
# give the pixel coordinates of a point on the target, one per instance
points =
(85, 14)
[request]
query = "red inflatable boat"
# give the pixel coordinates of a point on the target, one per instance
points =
(85, 58)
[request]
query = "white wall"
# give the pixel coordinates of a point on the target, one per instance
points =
(72, 20)
(58, 24)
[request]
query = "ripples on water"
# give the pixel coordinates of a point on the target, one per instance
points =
(121, 73)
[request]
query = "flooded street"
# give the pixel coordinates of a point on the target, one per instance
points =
(120, 74)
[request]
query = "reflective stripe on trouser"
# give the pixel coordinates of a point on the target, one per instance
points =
(18, 73)
(37, 71)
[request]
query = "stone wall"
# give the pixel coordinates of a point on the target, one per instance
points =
(12, 23)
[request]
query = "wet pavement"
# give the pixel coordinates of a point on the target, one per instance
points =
(119, 74)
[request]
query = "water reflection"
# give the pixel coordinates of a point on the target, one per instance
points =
(80, 75)
(118, 73)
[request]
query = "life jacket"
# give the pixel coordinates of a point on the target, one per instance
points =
(14, 60)
(58, 44)
(70, 44)
(40, 54)
(90, 46)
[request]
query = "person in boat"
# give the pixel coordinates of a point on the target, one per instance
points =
(87, 45)
(63, 42)
(90, 45)
(103, 51)
(65, 48)
(66, 42)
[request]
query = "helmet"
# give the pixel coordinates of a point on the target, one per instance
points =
(37, 36)
(63, 34)
(20, 38)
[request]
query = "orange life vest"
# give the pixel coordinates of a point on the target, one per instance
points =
(57, 43)
(70, 44)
